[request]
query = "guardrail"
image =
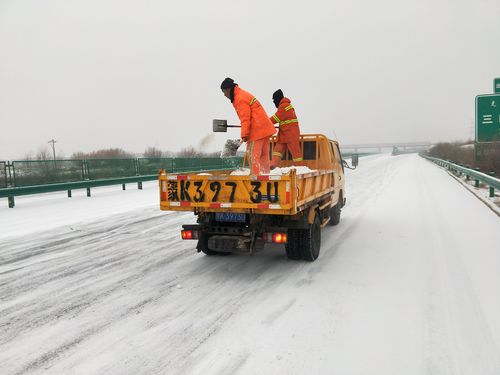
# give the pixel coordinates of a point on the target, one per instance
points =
(75, 174)
(40, 172)
(478, 177)
(3, 174)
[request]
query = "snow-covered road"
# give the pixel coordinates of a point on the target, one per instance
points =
(407, 283)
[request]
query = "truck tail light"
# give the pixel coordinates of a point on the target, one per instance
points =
(163, 196)
(275, 237)
(189, 234)
(279, 237)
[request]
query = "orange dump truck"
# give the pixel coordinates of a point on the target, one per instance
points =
(238, 212)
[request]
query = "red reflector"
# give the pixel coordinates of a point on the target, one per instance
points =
(279, 237)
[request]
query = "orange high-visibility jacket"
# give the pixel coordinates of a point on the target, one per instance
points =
(285, 116)
(255, 123)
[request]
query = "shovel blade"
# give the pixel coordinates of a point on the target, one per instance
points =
(219, 126)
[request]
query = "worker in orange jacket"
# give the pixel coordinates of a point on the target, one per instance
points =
(256, 128)
(289, 131)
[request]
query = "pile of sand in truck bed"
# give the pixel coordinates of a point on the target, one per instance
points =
(275, 172)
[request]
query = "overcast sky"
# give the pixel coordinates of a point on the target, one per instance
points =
(132, 74)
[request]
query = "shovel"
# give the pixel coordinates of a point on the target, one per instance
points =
(220, 126)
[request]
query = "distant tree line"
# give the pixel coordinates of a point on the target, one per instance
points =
(118, 153)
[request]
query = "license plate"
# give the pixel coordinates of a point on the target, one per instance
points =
(230, 217)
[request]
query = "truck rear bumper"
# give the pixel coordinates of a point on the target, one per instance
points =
(230, 243)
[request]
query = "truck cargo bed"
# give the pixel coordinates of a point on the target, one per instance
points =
(219, 191)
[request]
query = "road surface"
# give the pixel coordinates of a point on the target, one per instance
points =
(407, 283)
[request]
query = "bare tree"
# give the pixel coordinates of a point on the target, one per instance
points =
(153, 152)
(189, 152)
(29, 156)
(108, 153)
(43, 154)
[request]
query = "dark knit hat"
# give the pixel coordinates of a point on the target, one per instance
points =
(277, 96)
(228, 83)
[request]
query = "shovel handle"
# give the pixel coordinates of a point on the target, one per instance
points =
(239, 126)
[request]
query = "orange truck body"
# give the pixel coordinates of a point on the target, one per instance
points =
(289, 201)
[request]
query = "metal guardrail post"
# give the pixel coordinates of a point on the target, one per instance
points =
(8, 174)
(136, 167)
(83, 169)
(476, 182)
(12, 174)
(10, 182)
(88, 192)
(492, 189)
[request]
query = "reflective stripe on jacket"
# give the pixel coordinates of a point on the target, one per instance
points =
(285, 116)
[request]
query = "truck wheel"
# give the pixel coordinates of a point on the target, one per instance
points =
(203, 245)
(310, 243)
(209, 252)
(335, 214)
(292, 245)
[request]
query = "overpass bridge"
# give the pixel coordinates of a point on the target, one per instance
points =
(379, 147)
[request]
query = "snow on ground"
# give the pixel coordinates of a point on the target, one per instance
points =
(407, 283)
(482, 192)
(34, 213)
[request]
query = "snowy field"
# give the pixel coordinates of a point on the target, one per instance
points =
(407, 283)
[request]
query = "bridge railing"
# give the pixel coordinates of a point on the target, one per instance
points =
(26, 177)
(470, 174)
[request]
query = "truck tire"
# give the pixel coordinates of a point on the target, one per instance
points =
(310, 241)
(335, 214)
(292, 245)
(335, 211)
(203, 245)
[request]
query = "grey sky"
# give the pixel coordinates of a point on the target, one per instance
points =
(132, 74)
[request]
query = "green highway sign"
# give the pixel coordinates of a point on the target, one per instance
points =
(488, 118)
(496, 85)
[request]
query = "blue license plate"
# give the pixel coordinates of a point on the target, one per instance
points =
(230, 217)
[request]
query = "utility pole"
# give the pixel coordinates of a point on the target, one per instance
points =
(53, 141)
